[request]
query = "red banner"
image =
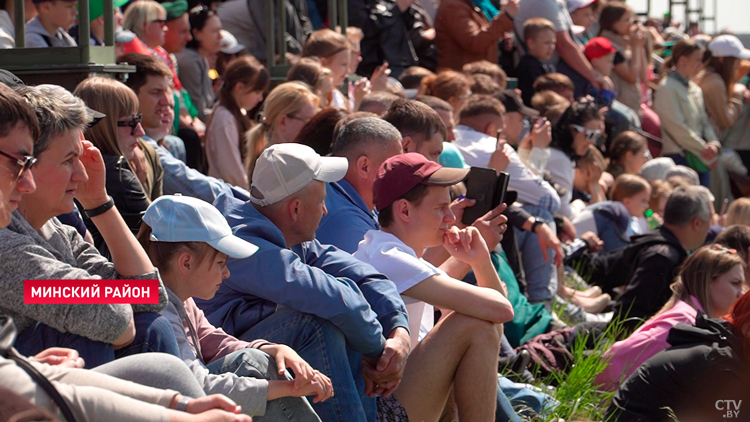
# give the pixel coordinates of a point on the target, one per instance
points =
(91, 291)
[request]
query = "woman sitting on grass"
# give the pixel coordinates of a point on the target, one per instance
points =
(702, 377)
(190, 241)
(711, 279)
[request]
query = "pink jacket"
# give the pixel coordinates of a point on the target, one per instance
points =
(651, 338)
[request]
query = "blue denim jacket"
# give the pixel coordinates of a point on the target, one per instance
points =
(348, 217)
(312, 278)
(179, 178)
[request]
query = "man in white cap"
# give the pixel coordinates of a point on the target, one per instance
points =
(295, 291)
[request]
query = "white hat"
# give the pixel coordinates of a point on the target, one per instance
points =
(176, 218)
(657, 168)
(284, 169)
(229, 44)
(728, 46)
(574, 5)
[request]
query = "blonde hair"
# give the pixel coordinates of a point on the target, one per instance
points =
(627, 185)
(112, 98)
(738, 213)
(535, 26)
(284, 100)
(659, 189)
(698, 272)
(140, 12)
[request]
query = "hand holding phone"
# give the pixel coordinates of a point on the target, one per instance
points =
(487, 188)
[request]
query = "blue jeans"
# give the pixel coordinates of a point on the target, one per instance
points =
(323, 346)
(541, 276)
(153, 333)
(681, 161)
(511, 396)
(257, 364)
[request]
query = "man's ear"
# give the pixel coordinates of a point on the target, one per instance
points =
(401, 210)
(364, 166)
(294, 208)
(408, 144)
(489, 129)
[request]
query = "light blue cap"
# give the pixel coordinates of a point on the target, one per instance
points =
(176, 218)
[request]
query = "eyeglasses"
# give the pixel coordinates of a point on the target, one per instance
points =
(591, 135)
(134, 121)
(24, 164)
(161, 22)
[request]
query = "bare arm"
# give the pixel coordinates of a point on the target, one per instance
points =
(573, 56)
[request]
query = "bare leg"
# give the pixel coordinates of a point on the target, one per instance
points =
(460, 352)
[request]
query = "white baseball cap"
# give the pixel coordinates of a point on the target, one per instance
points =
(229, 44)
(176, 218)
(574, 5)
(728, 46)
(284, 169)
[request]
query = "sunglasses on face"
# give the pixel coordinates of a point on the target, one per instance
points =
(134, 121)
(591, 135)
(24, 164)
(161, 22)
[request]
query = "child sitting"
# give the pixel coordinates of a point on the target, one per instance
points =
(540, 37)
(601, 54)
(190, 241)
(48, 28)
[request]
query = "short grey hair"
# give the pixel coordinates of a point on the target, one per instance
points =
(361, 133)
(57, 110)
(687, 203)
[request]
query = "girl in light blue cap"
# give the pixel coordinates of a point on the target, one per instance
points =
(190, 242)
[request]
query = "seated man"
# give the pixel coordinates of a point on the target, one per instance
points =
(365, 142)
(460, 352)
(421, 128)
(298, 292)
(476, 138)
(649, 265)
(150, 82)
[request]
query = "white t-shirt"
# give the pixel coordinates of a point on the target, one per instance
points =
(392, 257)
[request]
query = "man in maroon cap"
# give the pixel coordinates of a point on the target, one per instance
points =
(460, 351)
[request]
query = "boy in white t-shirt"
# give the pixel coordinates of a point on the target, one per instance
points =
(460, 351)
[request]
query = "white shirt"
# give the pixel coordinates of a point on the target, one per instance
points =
(562, 171)
(392, 257)
(477, 149)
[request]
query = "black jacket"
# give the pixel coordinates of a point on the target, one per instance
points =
(387, 36)
(700, 378)
(127, 192)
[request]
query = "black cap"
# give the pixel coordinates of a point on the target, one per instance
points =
(512, 103)
(10, 79)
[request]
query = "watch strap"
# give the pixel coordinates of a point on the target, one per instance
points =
(101, 209)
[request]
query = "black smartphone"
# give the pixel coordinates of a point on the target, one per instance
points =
(487, 188)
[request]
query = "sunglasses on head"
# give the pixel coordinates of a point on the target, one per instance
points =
(24, 164)
(134, 121)
(591, 134)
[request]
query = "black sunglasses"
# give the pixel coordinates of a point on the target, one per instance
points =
(134, 121)
(25, 164)
(161, 22)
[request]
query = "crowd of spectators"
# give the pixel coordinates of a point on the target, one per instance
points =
(308, 233)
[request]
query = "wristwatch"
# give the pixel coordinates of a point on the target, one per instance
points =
(537, 222)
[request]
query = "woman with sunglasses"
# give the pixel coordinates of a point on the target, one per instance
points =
(580, 126)
(116, 136)
(194, 61)
(147, 19)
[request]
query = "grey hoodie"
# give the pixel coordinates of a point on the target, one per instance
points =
(57, 251)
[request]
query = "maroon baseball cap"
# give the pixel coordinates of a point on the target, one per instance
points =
(402, 173)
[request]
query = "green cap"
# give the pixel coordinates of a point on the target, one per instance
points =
(175, 9)
(96, 7)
